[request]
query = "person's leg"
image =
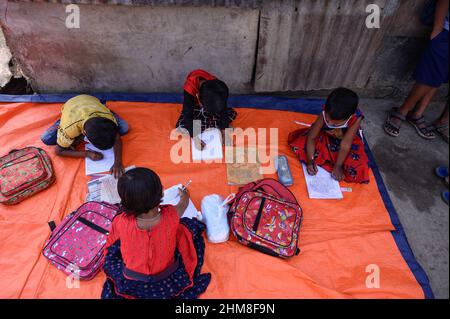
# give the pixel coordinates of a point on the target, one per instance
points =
(430, 73)
(423, 104)
(440, 125)
(123, 126)
(50, 135)
(397, 115)
(418, 92)
(443, 120)
(417, 120)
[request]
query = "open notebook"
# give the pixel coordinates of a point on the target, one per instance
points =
(322, 185)
(172, 197)
(213, 149)
(102, 166)
(103, 188)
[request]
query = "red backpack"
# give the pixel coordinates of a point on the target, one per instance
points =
(24, 173)
(76, 245)
(266, 216)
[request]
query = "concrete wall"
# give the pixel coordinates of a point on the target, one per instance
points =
(255, 45)
(132, 49)
(5, 57)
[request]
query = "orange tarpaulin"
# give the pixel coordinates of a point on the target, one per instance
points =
(339, 239)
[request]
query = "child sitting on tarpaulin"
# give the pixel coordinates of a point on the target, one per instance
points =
(205, 99)
(150, 252)
(85, 115)
(334, 141)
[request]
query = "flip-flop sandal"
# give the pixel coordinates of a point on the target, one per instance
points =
(391, 128)
(442, 131)
(425, 131)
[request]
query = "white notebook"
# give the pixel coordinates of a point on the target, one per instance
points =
(102, 166)
(213, 149)
(105, 188)
(171, 197)
(322, 185)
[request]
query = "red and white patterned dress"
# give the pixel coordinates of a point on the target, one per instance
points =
(356, 164)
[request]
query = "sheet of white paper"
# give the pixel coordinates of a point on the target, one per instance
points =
(322, 185)
(94, 191)
(108, 188)
(213, 149)
(104, 165)
(171, 197)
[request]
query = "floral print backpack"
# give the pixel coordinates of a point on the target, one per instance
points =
(76, 245)
(23, 173)
(266, 216)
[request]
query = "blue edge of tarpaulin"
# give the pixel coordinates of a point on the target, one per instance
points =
(301, 105)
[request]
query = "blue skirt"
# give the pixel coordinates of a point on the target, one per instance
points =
(174, 286)
(433, 67)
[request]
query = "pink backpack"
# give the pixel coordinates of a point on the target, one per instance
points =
(76, 245)
(265, 216)
(24, 173)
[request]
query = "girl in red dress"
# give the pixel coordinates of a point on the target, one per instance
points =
(334, 140)
(150, 252)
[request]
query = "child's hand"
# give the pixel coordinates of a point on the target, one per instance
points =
(312, 168)
(338, 173)
(184, 201)
(95, 156)
(184, 195)
(117, 170)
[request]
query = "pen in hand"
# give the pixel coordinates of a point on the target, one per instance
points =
(183, 188)
(301, 123)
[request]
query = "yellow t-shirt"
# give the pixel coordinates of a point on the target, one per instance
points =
(75, 112)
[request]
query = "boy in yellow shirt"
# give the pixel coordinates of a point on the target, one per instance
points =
(85, 115)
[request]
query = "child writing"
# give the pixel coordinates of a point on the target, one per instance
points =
(334, 141)
(85, 115)
(150, 252)
(205, 100)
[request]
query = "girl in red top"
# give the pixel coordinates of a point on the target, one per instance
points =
(334, 141)
(205, 99)
(150, 252)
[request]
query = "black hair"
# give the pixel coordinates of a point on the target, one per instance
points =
(101, 132)
(214, 96)
(140, 190)
(341, 104)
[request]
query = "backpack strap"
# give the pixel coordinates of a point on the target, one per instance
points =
(93, 226)
(52, 225)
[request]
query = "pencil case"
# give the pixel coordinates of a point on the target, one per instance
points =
(284, 171)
